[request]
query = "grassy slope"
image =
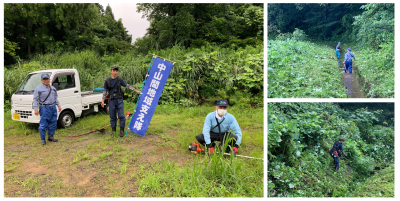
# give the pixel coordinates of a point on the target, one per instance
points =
(378, 75)
(100, 165)
(319, 180)
(303, 70)
(381, 184)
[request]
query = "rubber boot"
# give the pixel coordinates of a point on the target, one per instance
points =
(43, 142)
(121, 132)
(51, 139)
(114, 130)
(336, 169)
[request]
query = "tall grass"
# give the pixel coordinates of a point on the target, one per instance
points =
(208, 176)
(197, 74)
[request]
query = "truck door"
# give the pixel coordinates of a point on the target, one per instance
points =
(68, 93)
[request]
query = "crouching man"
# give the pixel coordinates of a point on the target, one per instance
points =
(216, 128)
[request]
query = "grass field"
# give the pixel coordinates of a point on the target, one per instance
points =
(157, 165)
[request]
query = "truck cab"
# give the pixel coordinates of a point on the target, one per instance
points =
(74, 103)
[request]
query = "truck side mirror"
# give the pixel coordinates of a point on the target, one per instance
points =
(55, 85)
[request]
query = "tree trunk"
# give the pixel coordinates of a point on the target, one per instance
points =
(28, 36)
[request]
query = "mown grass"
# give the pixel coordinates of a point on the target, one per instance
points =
(381, 184)
(157, 165)
(302, 69)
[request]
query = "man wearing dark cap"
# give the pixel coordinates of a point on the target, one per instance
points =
(216, 128)
(335, 152)
(115, 104)
(44, 103)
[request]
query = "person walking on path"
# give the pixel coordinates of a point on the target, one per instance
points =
(335, 152)
(348, 64)
(116, 103)
(45, 103)
(337, 51)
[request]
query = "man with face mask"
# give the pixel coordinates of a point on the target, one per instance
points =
(217, 125)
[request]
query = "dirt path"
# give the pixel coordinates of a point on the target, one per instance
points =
(56, 170)
(350, 81)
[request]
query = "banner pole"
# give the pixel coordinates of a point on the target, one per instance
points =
(147, 74)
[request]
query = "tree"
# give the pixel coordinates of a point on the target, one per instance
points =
(376, 24)
(194, 25)
(322, 21)
(48, 27)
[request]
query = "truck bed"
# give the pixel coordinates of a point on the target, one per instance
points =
(89, 97)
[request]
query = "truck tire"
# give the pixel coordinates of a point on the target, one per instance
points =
(65, 119)
(106, 109)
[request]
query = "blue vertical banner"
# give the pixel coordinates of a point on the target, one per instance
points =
(150, 95)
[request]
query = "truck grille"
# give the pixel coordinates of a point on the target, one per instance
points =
(24, 114)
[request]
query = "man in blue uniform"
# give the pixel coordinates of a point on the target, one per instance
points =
(216, 128)
(115, 104)
(44, 103)
(348, 61)
(335, 152)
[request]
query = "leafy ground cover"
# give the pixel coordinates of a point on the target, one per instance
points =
(157, 165)
(300, 136)
(377, 69)
(296, 67)
(302, 69)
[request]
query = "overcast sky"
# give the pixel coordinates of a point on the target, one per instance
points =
(132, 20)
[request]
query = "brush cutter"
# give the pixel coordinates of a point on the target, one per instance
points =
(195, 148)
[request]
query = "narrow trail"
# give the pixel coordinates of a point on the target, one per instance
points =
(350, 81)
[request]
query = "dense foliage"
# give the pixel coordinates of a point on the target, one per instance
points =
(199, 24)
(302, 69)
(218, 48)
(199, 75)
(300, 136)
(297, 32)
(319, 20)
(48, 28)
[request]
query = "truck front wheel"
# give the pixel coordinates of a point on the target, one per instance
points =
(65, 119)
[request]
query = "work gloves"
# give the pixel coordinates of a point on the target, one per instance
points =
(235, 149)
(210, 148)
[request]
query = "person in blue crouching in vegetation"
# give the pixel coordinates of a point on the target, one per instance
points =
(335, 153)
(216, 128)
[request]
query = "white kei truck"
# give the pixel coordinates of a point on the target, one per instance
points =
(74, 102)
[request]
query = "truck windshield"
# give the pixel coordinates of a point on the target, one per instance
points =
(30, 83)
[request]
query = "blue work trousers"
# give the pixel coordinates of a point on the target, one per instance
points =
(337, 54)
(48, 120)
(348, 66)
(116, 105)
(336, 160)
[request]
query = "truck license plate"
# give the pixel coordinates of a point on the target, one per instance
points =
(16, 116)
